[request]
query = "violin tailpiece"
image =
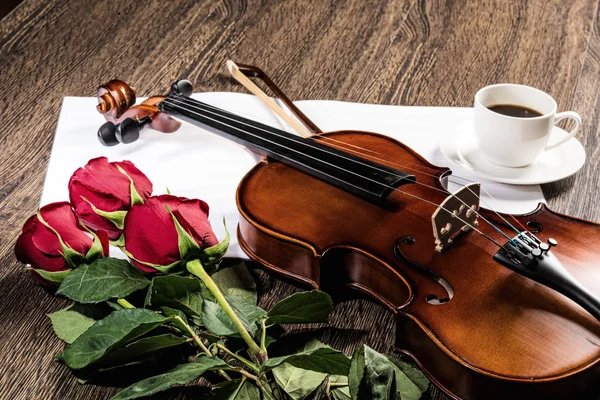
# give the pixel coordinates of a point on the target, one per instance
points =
(456, 214)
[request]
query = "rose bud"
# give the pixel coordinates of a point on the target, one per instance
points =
(166, 231)
(52, 243)
(102, 192)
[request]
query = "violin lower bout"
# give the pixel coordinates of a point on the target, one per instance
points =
(317, 235)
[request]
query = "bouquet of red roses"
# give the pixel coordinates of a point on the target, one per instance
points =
(172, 312)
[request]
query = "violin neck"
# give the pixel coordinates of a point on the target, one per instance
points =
(361, 177)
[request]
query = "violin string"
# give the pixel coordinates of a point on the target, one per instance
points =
(198, 106)
(520, 233)
(235, 118)
(435, 176)
(341, 147)
(169, 101)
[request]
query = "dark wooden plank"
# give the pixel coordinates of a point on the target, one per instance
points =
(391, 52)
(7, 6)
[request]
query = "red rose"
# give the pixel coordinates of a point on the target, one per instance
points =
(152, 237)
(102, 192)
(40, 243)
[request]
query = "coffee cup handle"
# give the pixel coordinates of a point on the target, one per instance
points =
(560, 116)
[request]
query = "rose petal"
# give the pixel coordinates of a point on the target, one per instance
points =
(60, 217)
(140, 181)
(150, 234)
(143, 268)
(27, 253)
(193, 216)
(95, 222)
(99, 177)
(79, 190)
(101, 180)
(103, 236)
(28, 226)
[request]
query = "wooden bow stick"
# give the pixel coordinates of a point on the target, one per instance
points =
(269, 102)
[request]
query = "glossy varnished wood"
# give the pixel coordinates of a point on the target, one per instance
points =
(500, 329)
(404, 52)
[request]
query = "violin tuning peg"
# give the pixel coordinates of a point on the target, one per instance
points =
(183, 87)
(128, 131)
(107, 134)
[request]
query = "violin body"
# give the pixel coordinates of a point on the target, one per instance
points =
(361, 213)
(500, 336)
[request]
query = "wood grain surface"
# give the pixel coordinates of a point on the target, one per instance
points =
(427, 53)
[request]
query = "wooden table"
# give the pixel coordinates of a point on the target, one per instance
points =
(386, 52)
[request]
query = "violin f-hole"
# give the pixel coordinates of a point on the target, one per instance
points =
(535, 227)
(425, 271)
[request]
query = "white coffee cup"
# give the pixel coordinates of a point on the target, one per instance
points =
(514, 141)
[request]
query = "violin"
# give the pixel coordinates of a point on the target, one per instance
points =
(489, 305)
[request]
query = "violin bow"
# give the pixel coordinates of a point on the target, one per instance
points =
(239, 76)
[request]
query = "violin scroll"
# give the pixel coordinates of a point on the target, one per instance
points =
(114, 98)
(125, 120)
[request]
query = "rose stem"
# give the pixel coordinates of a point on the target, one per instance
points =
(263, 336)
(124, 303)
(241, 359)
(200, 344)
(258, 383)
(196, 268)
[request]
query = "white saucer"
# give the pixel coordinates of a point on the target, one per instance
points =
(460, 147)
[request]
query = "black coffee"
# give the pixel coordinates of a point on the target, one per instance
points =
(515, 111)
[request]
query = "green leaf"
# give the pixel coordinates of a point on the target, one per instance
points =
(375, 376)
(325, 359)
(237, 389)
(142, 347)
(69, 324)
(301, 308)
(56, 277)
(103, 279)
(297, 382)
(339, 392)
(218, 323)
(413, 373)
(379, 374)
(118, 328)
(176, 292)
(404, 387)
(172, 312)
(180, 375)
(356, 383)
(236, 281)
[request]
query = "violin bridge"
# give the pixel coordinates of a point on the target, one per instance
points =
(456, 214)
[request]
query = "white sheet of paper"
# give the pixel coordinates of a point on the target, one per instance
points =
(197, 164)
